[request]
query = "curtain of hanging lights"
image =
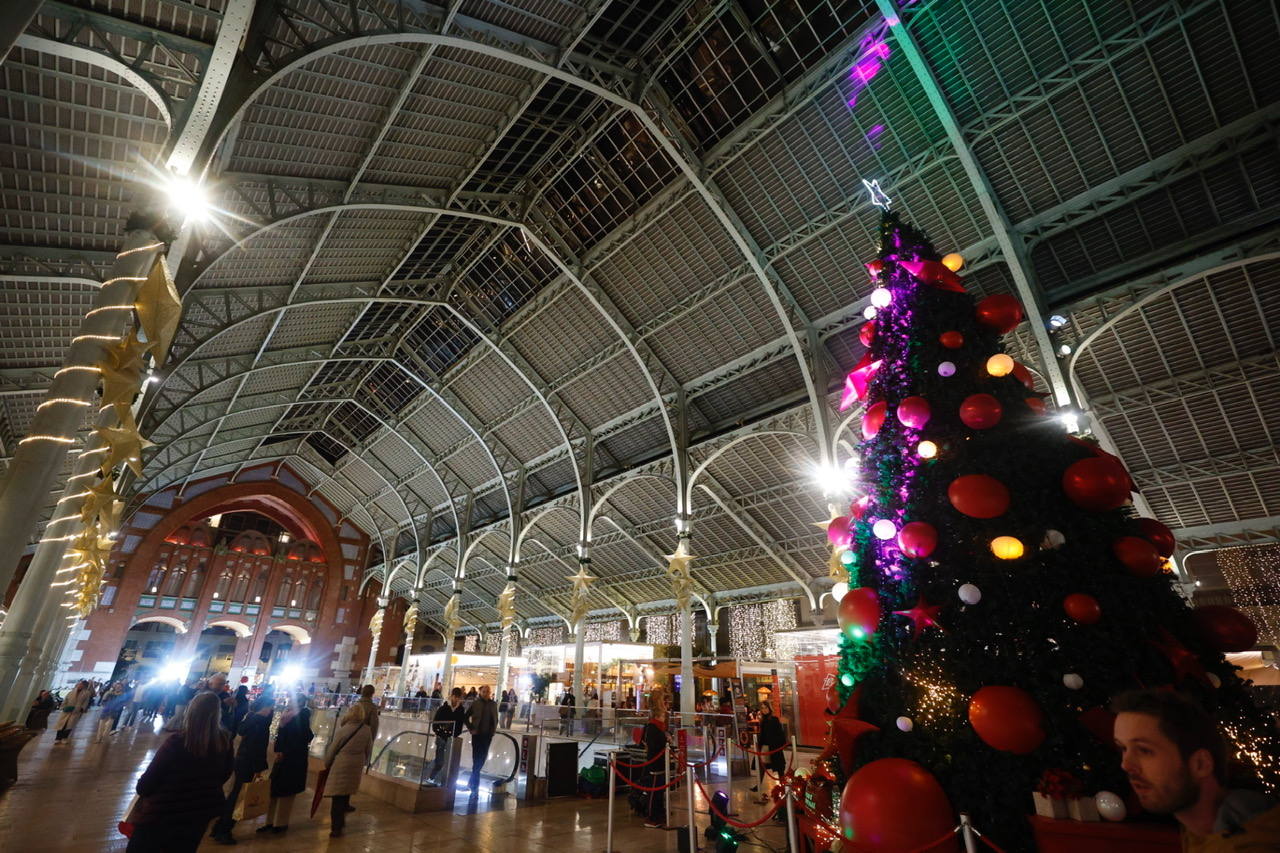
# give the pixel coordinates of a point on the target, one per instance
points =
(662, 630)
(752, 628)
(1253, 574)
(603, 632)
(548, 636)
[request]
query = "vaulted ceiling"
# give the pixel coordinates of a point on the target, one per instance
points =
(501, 259)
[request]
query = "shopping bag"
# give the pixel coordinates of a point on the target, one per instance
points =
(321, 778)
(254, 797)
(126, 823)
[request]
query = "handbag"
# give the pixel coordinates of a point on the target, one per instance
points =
(323, 775)
(255, 795)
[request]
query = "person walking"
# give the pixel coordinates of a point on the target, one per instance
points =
(289, 774)
(366, 699)
(348, 753)
(240, 707)
(181, 789)
(482, 722)
(568, 710)
(41, 708)
(251, 758)
(772, 737)
(73, 708)
(112, 706)
(447, 725)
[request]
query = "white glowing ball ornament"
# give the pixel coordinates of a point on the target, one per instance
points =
(881, 297)
(839, 590)
(884, 529)
(969, 593)
(905, 724)
(1072, 681)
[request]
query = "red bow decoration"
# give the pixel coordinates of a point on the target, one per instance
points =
(934, 273)
(1184, 662)
(856, 383)
(1058, 784)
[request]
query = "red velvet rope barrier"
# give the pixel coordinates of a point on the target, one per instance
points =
(850, 845)
(773, 811)
(645, 788)
(766, 753)
(710, 758)
(988, 842)
(642, 763)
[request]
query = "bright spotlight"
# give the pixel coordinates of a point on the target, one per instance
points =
(188, 198)
(832, 480)
(174, 670)
(291, 674)
(1057, 321)
(1071, 421)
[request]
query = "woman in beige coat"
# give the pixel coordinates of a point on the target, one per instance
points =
(77, 702)
(346, 757)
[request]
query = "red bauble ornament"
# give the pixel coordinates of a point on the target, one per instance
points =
(867, 334)
(1023, 375)
(1139, 556)
(951, 340)
(894, 805)
(1007, 718)
(875, 267)
(1158, 535)
(914, 412)
(860, 611)
(873, 419)
(980, 411)
(1099, 483)
(858, 508)
(917, 539)
(978, 496)
(1082, 608)
(1037, 405)
(1224, 628)
(838, 530)
(1000, 311)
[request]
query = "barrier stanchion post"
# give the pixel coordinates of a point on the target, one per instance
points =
(791, 822)
(688, 784)
(966, 832)
(613, 784)
(666, 784)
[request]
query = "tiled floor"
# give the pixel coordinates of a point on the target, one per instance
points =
(69, 798)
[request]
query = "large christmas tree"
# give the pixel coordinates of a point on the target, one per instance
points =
(1002, 590)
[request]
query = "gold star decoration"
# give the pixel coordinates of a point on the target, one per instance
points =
(411, 620)
(159, 309)
(582, 580)
(124, 444)
(91, 548)
(101, 506)
(375, 623)
(681, 577)
(121, 369)
(451, 618)
(507, 605)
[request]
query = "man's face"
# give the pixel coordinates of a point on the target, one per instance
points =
(1160, 776)
(218, 683)
(484, 691)
(454, 699)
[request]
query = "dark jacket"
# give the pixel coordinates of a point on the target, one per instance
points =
(482, 717)
(251, 757)
(448, 721)
(772, 735)
(179, 788)
(289, 775)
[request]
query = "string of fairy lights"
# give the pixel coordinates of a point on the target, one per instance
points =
(753, 628)
(1253, 575)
